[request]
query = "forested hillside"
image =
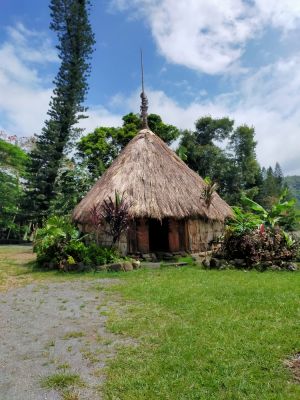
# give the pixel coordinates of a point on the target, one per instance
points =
(294, 184)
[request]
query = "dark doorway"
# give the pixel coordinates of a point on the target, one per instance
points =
(158, 235)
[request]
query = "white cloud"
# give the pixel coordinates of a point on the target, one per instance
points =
(269, 100)
(24, 97)
(99, 116)
(210, 36)
(284, 14)
(31, 45)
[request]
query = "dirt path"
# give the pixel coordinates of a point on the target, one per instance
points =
(53, 342)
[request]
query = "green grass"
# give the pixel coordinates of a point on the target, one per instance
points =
(70, 395)
(17, 268)
(61, 380)
(198, 334)
(206, 335)
(73, 335)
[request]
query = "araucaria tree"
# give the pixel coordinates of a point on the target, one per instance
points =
(70, 21)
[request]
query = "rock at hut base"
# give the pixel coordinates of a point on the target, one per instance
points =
(215, 263)
(116, 267)
(206, 263)
(291, 267)
(127, 266)
(136, 264)
(101, 267)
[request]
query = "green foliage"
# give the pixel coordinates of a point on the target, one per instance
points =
(98, 149)
(293, 182)
(62, 380)
(69, 20)
(206, 159)
(243, 222)
(90, 255)
(209, 130)
(58, 246)
(52, 239)
(272, 184)
(132, 124)
(209, 189)
(234, 167)
(243, 145)
(97, 255)
(72, 183)
(278, 213)
(181, 152)
(168, 133)
(12, 166)
(257, 234)
(12, 157)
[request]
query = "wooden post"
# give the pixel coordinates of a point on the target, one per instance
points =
(142, 230)
(174, 244)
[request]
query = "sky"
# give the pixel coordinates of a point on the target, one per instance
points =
(235, 58)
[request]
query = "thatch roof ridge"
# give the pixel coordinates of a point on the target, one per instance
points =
(157, 183)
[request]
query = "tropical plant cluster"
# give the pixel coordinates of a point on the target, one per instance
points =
(59, 245)
(256, 235)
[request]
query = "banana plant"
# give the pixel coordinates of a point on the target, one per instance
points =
(274, 216)
(243, 221)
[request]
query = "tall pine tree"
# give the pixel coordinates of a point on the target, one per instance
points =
(70, 21)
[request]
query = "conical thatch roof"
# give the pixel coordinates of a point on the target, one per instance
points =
(155, 181)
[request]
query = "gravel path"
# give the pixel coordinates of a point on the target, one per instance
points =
(54, 328)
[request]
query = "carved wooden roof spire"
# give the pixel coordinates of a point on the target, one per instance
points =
(144, 103)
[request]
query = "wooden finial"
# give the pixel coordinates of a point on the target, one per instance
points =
(144, 104)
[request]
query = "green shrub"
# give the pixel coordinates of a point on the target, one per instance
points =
(256, 234)
(58, 246)
(51, 241)
(260, 245)
(77, 250)
(97, 255)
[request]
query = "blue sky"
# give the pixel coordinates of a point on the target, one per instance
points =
(238, 58)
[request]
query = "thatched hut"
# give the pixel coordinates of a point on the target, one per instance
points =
(168, 212)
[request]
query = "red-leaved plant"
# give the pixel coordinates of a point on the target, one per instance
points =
(113, 217)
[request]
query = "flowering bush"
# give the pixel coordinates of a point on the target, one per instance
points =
(260, 245)
(255, 235)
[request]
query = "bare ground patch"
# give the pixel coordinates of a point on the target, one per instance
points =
(53, 341)
(294, 364)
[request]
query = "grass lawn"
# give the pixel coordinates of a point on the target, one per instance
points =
(199, 334)
(206, 335)
(17, 269)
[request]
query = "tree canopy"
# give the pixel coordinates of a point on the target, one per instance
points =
(12, 169)
(224, 154)
(69, 20)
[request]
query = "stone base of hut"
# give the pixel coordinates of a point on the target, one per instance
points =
(150, 238)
